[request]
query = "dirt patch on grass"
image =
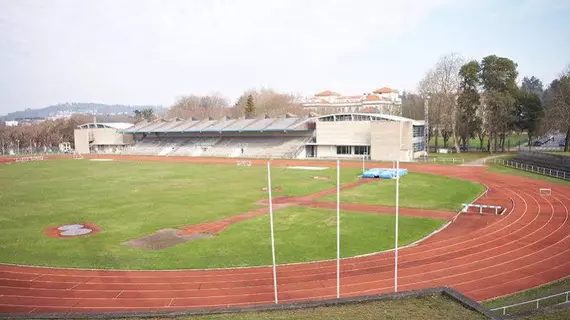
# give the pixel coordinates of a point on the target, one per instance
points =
(163, 239)
(72, 230)
(321, 178)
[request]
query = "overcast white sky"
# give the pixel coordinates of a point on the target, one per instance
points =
(151, 52)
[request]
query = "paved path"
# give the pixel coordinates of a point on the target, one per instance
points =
(482, 161)
(481, 256)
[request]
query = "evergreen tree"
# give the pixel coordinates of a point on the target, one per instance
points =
(249, 107)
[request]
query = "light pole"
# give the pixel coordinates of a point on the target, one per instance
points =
(18, 149)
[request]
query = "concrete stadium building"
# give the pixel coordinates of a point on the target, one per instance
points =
(101, 137)
(333, 136)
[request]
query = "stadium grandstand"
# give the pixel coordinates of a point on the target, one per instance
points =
(342, 135)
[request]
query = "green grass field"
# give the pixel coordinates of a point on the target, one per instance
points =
(417, 190)
(514, 140)
(134, 199)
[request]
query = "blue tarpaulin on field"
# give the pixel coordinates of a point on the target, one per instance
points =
(384, 173)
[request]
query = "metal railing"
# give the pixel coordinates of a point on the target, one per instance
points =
(534, 169)
(535, 302)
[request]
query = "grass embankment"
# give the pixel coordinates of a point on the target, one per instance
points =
(133, 199)
(496, 168)
(422, 308)
(417, 190)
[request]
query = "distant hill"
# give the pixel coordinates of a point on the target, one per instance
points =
(96, 109)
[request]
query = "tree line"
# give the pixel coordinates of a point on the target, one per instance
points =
(39, 137)
(482, 100)
(467, 100)
(252, 103)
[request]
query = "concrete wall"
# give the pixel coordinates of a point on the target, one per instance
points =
(343, 133)
(81, 140)
(385, 144)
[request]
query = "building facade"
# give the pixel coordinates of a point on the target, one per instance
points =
(101, 137)
(345, 135)
(384, 100)
(377, 137)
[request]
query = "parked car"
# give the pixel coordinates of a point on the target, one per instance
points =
(562, 143)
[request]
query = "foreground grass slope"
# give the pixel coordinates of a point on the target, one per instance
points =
(130, 200)
(417, 190)
(421, 308)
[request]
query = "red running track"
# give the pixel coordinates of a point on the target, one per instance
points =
(481, 256)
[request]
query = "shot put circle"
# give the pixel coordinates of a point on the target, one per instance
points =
(70, 227)
(76, 232)
(73, 230)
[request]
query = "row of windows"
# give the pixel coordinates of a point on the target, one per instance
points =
(93, 126)
(358, 150)
(419, 131)
(348, 117)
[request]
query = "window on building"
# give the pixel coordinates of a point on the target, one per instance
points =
(419, 131)
(362, 150)
(419, 146)
(344, 117)
(343, 150)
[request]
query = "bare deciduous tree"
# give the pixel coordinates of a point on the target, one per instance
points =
(441, 84)
(557, 106)
(269, 102)
(201, 107)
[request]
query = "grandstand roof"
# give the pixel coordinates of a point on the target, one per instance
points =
(113, 125)
(223, 125)
(257, 125)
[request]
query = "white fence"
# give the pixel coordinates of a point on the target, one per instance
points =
(444, 160)
(535, 169)
(536, 302)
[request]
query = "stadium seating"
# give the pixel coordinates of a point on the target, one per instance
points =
(247, 147)
(544, 160)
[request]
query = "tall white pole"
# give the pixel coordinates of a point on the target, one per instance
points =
(396, 232)
(397, 211)
(337, 229)
(272, 235)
